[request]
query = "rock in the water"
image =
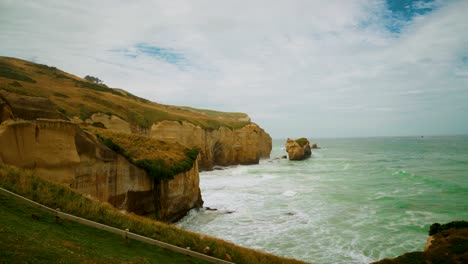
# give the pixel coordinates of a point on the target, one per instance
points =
(298, 149)
(447, 244)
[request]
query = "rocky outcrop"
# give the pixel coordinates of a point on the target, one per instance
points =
(110, 122)
(178, 196)
(5, 111)
(30, 107)
(223, 146)
(61, 152)
(298, 149)
(448, 244)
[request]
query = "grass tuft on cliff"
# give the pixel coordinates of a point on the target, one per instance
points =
(302, 141)
(159, 159)
(77, 97)
(26, 184)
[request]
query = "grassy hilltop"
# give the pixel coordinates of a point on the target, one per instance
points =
(75, 96)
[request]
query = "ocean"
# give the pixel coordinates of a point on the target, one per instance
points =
(355, 201)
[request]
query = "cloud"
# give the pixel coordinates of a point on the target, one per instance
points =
(328, 68)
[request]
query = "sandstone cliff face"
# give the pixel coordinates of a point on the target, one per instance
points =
(223, 146)
(178, 195)
(296, 151)
(60, 151)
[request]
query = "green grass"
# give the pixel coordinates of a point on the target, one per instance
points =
(10, 73)
(26, 184)
(133, 148)
(42, 240)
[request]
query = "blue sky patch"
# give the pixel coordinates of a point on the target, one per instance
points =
(465, 59)
(401, 12)
(163, 54)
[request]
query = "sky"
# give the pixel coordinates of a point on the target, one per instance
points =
(335, 68)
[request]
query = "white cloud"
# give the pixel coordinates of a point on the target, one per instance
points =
(288, 64)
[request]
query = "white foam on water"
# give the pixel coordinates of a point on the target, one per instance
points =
(341, 207)
(289, 193)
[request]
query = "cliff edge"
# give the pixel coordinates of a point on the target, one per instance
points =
(223, 146)
(138, 155)
(39, 91)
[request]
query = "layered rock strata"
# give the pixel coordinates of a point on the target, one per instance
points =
(62, 152)
(223, 146)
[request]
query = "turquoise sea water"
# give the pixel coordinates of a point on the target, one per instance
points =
(354, 201)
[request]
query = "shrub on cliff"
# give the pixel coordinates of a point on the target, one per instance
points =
(110, 144)
(436, 228)
(157, 168)
(93, 79)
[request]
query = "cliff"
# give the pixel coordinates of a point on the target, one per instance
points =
(39, 91)
(223, 146)
(62, 152)
(142, 162)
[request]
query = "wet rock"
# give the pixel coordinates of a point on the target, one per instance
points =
(447, 244)
(298, 149)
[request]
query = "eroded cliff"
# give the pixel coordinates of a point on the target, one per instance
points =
(223, 146)
(62, 152)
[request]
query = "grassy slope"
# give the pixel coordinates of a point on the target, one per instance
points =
(69, 201)
(41, 240)
(161, 160)
(76, 97)
(141, 147)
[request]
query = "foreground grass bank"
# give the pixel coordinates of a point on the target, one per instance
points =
(29, 235)
(69, 201)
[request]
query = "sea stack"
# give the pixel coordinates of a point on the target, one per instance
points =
(298, 149)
